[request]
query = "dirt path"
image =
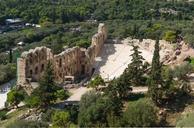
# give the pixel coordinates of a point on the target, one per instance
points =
(77, 93)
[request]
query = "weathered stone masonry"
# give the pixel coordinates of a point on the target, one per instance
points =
(71, 62)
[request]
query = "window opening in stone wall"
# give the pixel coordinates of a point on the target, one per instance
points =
(36, 70)
(60, 62)
(42, 67)
(31, 73)
(83, 69)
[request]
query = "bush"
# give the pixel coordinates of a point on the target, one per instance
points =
(7, 72)
(3, 115)
(140, 114)
(32, 101)
(62, 94)
(182, 71)
(83, 43)
(97, 110)
(46, 117)
(61, 119)
(170, 36)
(14, 97)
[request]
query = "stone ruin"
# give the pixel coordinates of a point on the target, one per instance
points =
(75, 62)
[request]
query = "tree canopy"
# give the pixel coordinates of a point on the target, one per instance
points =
(140, 114)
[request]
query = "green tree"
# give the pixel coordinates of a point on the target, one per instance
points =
(136, 68)
(96, 112)
(123, 86)
(155, 81)
(96, 82)
(62, 94)
(4, 58)
(61, 119)
(170, 36)
(140, 114)
(182, 71)
(88, 98)
(83, 43)
(33, 101)
(135, 31)
(14, 97)
(7, 72)
(3, 115)
(189, 38)
(10, 56)
(87, 116)
(120, 87)
(47, 88)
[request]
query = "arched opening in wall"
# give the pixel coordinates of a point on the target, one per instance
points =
(31, 72)
(42, 67)
(60, 62)
(36, 70)
(83, 69)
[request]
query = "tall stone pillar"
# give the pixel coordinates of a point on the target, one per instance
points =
(21, 73)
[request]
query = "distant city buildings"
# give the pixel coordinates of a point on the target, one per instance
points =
(16, 21)
(15, 24)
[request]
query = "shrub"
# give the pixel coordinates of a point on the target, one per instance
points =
(14, 97)
(62, 94)
(32, 101)
(7, 72)
(61, 119)
(83, 43)
(46, 117)
(182, 71)
(3, 115)
(170, 36)
(140, 114)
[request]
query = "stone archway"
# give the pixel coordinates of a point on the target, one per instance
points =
(82, 69)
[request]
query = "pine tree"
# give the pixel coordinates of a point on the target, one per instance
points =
(155, 82)
(47, 88)
(135, 69)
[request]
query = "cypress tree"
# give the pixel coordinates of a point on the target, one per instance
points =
(156, 65)
(155, 82)
(10, 56)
